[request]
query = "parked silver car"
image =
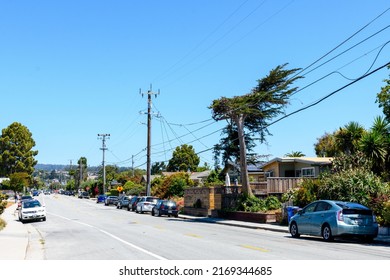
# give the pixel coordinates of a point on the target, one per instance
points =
(328, 218)
(146, 204)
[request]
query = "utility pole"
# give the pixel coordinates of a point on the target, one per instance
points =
(132, 164)
(149, 139)
(103, 148)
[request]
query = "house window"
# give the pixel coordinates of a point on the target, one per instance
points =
(269, 173)
(308, 172)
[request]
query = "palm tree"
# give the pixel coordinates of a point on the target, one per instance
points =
(374, 146)
(295, 154)
(347, 137)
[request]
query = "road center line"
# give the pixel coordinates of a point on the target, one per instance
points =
(114, 237)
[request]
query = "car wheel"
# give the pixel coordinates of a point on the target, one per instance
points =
(142, 211)
(128, 208)
(44, 219)
(136, 210)
(152, 212)
(294, 230)
(327, 233)
(368, 239)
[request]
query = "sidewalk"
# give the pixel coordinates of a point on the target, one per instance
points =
(14, 238)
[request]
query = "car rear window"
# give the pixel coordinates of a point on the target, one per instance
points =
(151, 199)
(351, 211)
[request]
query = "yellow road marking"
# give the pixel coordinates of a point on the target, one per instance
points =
(193, 235)
(255, 248)
(159, 227)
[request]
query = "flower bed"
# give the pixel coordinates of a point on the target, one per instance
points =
(253, 217)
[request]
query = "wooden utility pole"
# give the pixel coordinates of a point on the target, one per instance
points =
(149, 139)
(103, 148)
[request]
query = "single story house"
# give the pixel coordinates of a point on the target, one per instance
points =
(296, 167)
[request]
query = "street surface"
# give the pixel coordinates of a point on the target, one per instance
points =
(81, 229)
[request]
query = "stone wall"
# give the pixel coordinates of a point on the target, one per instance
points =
(202, 201)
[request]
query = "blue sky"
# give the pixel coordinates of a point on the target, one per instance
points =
(70, 70)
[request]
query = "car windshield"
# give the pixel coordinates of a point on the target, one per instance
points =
(26, 197)
(31, 204)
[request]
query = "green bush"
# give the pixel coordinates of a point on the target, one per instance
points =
(251, 204)
(306, 193)
(272, 203)
(356, 185)
(3, 203)
(172, 186)
(386, 214)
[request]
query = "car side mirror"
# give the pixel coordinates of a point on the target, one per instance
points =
(300, 212)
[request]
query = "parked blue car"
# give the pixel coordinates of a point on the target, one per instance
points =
(101, 198)
(329, 219)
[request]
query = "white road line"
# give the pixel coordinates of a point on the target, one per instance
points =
(114, 237)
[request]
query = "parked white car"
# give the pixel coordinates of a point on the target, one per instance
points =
(32, 210)
(146, 204)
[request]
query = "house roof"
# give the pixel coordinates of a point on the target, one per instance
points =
(307, 160)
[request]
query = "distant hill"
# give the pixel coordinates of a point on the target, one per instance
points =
(50, 167)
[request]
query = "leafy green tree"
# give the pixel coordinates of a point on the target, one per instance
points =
(16, 154)
(326, 146)
(183, 158)
(252, 112)
(132, 188)
(19, 181)
(383, 98)
(158, 168)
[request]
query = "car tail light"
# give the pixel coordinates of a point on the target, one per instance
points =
(340, 216)
(162, 207)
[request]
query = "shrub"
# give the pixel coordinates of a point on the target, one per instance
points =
(3, 203)
(171, 186)
(272, 203)
(357, 185)
(251, 204)
(306, 193)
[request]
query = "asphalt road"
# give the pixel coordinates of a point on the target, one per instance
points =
(81, 229)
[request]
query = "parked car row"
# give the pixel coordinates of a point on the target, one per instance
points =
(141, 204)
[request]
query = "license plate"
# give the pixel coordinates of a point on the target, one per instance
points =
(169, 211)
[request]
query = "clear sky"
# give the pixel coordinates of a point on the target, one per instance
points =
(70, 70)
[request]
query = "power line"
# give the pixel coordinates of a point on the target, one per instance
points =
(330, 94)
(342, 43)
